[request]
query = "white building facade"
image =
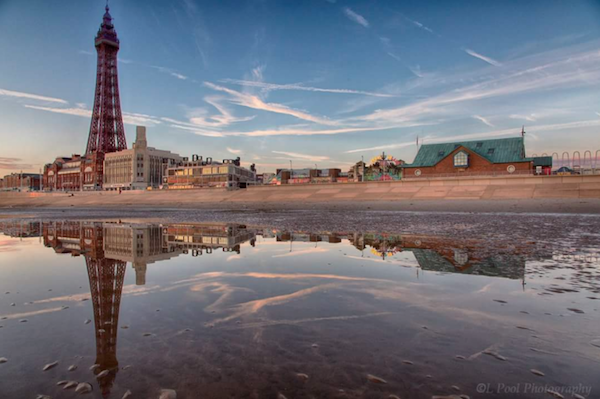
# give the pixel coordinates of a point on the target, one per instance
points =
(138, 168)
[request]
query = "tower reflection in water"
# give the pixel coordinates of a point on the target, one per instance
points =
(108, 246)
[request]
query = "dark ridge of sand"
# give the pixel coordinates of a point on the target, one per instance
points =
(563, 205)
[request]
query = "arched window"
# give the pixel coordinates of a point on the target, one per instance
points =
(461, 159)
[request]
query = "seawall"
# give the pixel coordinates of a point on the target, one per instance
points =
(451, 189)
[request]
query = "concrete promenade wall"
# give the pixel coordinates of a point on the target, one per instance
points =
(471, 188)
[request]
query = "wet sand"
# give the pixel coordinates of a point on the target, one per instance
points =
(308, 316)
(563, 205)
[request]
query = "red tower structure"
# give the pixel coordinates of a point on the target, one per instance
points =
(107, 133)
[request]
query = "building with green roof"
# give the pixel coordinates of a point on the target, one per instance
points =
(478, 157)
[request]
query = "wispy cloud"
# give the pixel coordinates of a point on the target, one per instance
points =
(169, 71)
(299, 87)
(482, 57)
(552, 70)
(14, 164)
(251, 101)
(529, 118)
(484, 120)
(304, 157)
(233, 151)
(383, 147)
(420, 25)
(359, 19)
(199, 117)
(199, 131)
(416, 23)
(597, 113)
(297, 131)
(29, 96)
(128, 118)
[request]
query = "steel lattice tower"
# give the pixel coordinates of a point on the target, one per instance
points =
(106, 130)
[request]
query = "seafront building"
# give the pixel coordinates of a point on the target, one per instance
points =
(139, 167)
(482, 157)
(20, 182)
(200, 173)
(63, 174)
(307, 175)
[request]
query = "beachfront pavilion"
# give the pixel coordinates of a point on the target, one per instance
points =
(481, 157)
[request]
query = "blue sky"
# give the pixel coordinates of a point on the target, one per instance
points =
(315, 82)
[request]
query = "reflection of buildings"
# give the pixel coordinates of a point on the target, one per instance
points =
(448, 254)
(21, 229)
(143, 244)
(201, 238)
(138, 244)
(308, 237)
(435, 253)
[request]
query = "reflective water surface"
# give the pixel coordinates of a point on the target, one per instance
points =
(225, 310)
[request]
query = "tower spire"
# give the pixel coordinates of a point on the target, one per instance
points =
(107, 133)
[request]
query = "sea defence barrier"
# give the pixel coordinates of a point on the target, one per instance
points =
(456, 188)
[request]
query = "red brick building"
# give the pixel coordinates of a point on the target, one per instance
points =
(482, 157)
(64, 174)
(20, 181)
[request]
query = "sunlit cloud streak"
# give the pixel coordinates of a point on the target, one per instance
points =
(128, 118)
(29, 96)
(542, 72)
(359, 19)
(288, 131)
(483, 120)
(305, 157)
(529, 118)
(299, 87)
(482, 57)
(199, 117)
(170, 72)
(251, 101)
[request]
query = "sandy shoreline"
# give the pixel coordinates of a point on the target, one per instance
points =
(538, 206)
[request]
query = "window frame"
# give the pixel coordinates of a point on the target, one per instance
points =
(466, 158)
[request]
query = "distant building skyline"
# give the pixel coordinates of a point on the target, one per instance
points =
(321, 82)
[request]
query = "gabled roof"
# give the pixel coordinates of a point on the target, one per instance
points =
(496, 151)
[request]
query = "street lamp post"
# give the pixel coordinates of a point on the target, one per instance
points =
(362, 166)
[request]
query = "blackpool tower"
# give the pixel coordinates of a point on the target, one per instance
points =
(106, 130)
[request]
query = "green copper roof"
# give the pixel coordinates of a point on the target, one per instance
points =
(495, 151)
(542, 161)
